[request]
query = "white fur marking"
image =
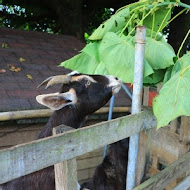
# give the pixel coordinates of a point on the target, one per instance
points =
(114, 83)
(80, 77)
(73, 73)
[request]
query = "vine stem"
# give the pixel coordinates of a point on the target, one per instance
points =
(171, 3)
(173, 18)
(142, 19)
(182, 72)
(130, 5)
(127, 24)
(186, 36)
(153, 21)
(162, 23)
(184, 5)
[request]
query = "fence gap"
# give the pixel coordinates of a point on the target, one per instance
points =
(136, 103)
(66, 171)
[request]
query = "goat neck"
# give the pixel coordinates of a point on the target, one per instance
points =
(68, 115)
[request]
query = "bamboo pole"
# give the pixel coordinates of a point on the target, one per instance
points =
(28, 114)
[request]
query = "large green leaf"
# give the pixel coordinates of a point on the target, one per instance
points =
(92, 49)
(85, 63)
(118, 55)
(159, 16)
(154, 78)
(159, 54)
(181, 63)
(173, 99)
(114, 24)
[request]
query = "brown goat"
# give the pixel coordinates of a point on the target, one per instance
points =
(80, 96)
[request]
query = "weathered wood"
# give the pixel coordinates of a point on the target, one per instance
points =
(173, 125)
(145, 96)
(28, 114)
(95, 153)
(90, 162)
(165, 145)
(185, 129)
(185, 184)
(152, 171)
(17, 161)
(142, 150)
(163, 178)
(66, 171)
(142, 153)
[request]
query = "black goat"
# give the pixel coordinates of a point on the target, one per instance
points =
(111, 174)
(80, 96)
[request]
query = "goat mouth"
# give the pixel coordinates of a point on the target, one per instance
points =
(116, 89)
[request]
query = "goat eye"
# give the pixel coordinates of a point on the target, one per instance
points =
(87, 84)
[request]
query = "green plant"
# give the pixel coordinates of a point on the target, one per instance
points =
(112, 48)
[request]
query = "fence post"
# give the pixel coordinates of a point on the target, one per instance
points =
(136, 103)
(66, 171)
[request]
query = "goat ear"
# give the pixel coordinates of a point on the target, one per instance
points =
(56, 101)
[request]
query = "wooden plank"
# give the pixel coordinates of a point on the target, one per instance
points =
(17, 161)
(166, 176)
(185, 184)
(185, 129)
(93, 154)
(143, 148)
(145, 96)
(89, 163)
(165, 146)
(173, 126)
(66, 171)
(142, 153)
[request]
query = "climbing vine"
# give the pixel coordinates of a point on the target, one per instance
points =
(112, 47)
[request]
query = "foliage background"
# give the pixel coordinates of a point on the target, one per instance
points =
(77, 17)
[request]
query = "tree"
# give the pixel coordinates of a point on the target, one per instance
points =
(73, 17)
(67, 16)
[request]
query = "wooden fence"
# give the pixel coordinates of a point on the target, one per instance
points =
(16, 161)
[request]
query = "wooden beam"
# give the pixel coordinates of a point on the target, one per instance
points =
(66, 171)
(185, 184)
(185, 129)
(166, 176)
(26, 158)
(28, 114)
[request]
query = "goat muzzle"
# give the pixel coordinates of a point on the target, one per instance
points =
(59, 79)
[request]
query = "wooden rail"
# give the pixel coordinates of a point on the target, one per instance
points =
(163, 178)
(28, 114)
(26, 158)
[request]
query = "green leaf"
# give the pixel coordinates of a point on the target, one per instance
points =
(181, 63)
(174, 98)
(114, 24)
(92, 49)
(118, 55)
(167, 75)
(159, 54)
(85, 63)
(154, 78)
(159, 17)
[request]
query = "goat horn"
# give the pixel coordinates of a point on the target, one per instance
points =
(59, 79)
